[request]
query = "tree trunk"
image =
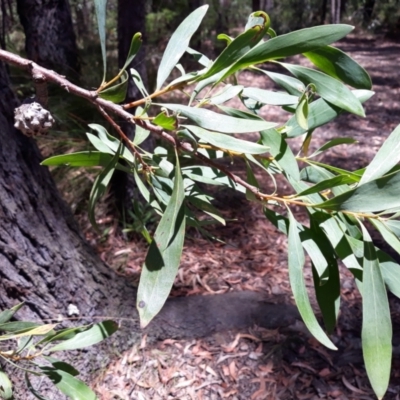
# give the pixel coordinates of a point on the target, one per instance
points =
(131, 19)
(50, 38)
(44, 261)
(323, 11)
(368, 10)
(335, 11)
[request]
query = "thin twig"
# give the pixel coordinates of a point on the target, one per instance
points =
(122, 135)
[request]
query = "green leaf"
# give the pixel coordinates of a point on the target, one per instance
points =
(356, 175)
(385, 159)
(302, 113)
(378, 195)
(228, 93)
(321, 112)
(80, 159)
(203, 203)
(376, 331)
(199, 57)
(218, 122)
(234, 112)
(100, 8)
(390, 272)
(330, 89)
(227, 142)
(203, 84)
(390, 238)
(6, 315)
(339, 65)
(179, 43)
(89, 337)
(57, 364)
(137, 79)
(290, 44)
(116, 93)
(111, 142)
(163, 257)
(253, 181)
(100, 186)
(69, 385)
(269, 97)
(327, 184)
(134, 48)
(18, 326)
(32, 389)
(292, 85)
(167, 122)
(239, 46)
(296, 262)
(326, 275)
(332, 143)
(34, 331)
(5, 387)
(141, 134)
(281, 151)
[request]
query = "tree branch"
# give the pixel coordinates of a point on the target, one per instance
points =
(105, 105)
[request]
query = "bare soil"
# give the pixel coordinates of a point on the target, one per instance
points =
(254, 363)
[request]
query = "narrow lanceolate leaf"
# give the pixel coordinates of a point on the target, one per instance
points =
(93, 335)
(141, 134)
(162, 260)
(217, 122)
(390, 270)
(81, 159)
(330, 89)
(237, 48)
(269, 97)
(179, 43)
(378, 195)
(292, 85)
(282, 152)
(228, 93)
(327, 184)
(100, 186)
(227, 142)
(376, 332)
(69, 385)
(390, 238)
(290, 44)
(333, 143)
(167, 122)
(116, 93)
(100, 8)
(302, 113)
(5, 387)
(321, 112)
(385, 159)
(338, 64)
(6, 315)
(136, 43)
(296, 263)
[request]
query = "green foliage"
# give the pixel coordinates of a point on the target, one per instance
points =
(200, 134)
(29, 345)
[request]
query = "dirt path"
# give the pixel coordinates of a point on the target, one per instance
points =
(256, 363)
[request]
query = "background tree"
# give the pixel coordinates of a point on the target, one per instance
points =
(50, 38)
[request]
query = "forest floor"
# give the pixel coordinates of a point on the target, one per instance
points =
(256, 363)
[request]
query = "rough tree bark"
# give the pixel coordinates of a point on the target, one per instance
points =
(43, 259)
(50, 38)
